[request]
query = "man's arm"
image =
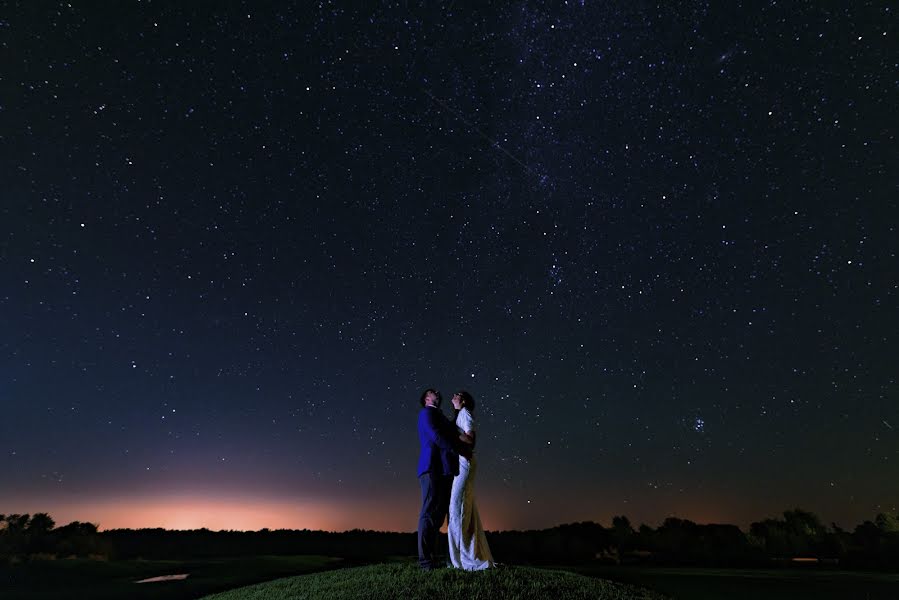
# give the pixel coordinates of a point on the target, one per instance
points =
(435, 433)
(443, 434)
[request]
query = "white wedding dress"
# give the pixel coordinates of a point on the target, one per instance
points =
(468, 547)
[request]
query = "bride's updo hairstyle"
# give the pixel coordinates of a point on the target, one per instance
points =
(467, 400)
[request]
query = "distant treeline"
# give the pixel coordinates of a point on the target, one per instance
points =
(799, 534)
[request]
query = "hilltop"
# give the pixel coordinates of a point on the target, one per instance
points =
(408, 581)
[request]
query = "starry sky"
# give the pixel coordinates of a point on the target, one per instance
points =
(657, 242)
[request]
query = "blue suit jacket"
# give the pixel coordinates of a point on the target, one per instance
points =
(438, 437)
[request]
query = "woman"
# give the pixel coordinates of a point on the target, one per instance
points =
(467, 543)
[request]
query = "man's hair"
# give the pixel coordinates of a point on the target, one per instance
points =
(425, 393)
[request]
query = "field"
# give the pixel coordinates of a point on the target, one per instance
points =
(59, 579)
(101, 580)
(754, 584)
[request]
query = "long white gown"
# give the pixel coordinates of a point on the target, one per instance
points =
(468, 547)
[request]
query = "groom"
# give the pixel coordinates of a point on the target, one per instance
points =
(437, 464)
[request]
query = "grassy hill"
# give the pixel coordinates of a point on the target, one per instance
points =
(408, 581)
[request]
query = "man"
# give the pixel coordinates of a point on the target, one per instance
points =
(437, 464)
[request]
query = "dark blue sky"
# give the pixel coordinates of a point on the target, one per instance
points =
(657, 243)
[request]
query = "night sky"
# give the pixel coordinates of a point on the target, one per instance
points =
(658, 244)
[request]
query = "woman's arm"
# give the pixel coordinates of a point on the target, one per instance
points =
(434, 431)
(467, 437)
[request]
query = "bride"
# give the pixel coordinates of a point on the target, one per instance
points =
(468, 547)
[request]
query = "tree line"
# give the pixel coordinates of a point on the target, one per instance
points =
(797, 534)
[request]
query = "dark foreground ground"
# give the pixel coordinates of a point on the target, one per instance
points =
(754, 584)
(100, 580)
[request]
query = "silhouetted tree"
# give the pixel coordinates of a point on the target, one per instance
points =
(41, 523)
(887, 523)
(623, 533)
(800, 533)
(38, 534)
(805, 531)
(873, 544)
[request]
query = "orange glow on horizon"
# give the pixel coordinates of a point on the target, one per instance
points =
(238, 514)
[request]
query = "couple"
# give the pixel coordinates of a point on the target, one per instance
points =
(446, 471)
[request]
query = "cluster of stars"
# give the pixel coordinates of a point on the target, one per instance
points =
(658, 244)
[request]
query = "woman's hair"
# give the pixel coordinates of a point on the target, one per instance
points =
(467, 400)
(425, 393)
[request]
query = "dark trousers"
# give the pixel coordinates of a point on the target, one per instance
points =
(435, 497)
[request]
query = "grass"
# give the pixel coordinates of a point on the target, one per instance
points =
(101, 580)
(752, 584)
(396, 580)
(98, 580)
